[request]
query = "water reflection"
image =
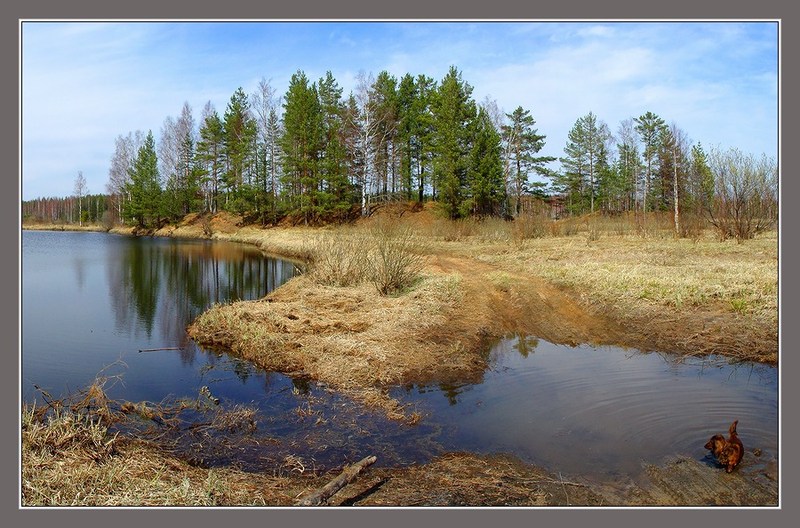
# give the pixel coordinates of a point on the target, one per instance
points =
(180, 279)
(93, 300)
(547, 402)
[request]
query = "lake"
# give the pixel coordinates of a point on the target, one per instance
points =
(97, 304)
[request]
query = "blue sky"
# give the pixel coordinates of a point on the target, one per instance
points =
(85, 83)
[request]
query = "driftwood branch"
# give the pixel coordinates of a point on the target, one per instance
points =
(159, 349)
(348, 475)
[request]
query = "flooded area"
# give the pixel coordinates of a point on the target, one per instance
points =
(604, 411)
(116, 306)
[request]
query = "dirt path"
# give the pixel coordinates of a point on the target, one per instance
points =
(524, 303)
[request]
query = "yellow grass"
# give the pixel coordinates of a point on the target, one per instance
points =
(604, 283)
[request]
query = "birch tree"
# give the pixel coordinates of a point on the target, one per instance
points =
(80, 191)
(125, 149)
(265, 105)
(628, 161)
(677, 142)
(372, 133)
(176, 162)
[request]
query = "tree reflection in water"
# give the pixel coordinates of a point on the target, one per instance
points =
(168, 283)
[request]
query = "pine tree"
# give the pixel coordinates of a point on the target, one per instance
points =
(586, 156)
(522, 142)
(144, 186)
(650, 127)
(701, 180)
(210, 156)
(239, 137)
(486, 185)
(335, 194)
(386, 101)
(453, 114)
(301, 142)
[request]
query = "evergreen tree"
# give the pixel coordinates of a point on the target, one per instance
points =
(335, 194)
(701, 180)
(453, 114)
(239, 137)
(209, 155)
(586, 156)
(650, 128)
(406, 124)
(386, 102)
(486, 185)
(522, 143)
(301, 142)
(144, 186)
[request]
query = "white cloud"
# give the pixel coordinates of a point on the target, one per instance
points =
(85, 84)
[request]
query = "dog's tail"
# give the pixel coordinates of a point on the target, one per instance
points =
(732, 430)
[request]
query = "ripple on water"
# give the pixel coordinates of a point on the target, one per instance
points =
(605, 410)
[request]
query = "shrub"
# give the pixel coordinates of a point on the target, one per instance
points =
(745, 195)
(340, 258)
(396, 260)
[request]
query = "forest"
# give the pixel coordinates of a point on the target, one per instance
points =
(314, 156)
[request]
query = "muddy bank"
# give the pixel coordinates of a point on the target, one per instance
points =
(462, 479)
(69, 462)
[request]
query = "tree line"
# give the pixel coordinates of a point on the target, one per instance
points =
(313, 155)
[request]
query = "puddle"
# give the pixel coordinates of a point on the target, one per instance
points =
(602, 410)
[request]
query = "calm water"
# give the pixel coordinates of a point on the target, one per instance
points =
(604, 410)
(91, 302)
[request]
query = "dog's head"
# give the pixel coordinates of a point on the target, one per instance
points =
(716, 444)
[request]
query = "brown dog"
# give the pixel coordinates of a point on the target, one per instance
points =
(727, 452)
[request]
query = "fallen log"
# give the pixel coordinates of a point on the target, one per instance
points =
(348, 475)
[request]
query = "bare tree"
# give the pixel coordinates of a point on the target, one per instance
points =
(745, 200)
(175, 154)
(628, 160)
(372, 133)
(678, 143)
(266, 105)
(80, 191)
(125, 149)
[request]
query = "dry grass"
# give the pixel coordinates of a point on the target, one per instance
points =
(353, 339)
(64, 227)
(723, 295)
(70, 459)
(613, 280)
